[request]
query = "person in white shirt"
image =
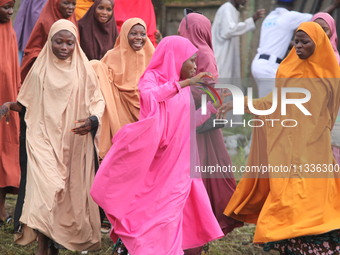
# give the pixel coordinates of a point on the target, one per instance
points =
(226, 30)
(276, 34)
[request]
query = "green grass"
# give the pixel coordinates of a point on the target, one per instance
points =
(240, 159)
(238, 242)
(8, 247)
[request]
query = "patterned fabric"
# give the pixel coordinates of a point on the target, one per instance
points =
(324, 244)
(119, 248)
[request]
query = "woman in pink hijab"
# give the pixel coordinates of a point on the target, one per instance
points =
(144, 183)
(212, 150)
(327, 23)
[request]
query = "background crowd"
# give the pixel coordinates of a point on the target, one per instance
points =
(99, 110)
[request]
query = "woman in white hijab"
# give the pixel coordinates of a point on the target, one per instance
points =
(60, 91)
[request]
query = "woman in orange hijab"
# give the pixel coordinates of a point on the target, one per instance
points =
(119, 72)
(297, 208)
(9, 83)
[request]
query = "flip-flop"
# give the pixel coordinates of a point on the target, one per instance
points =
(105, 227)
(9, 220)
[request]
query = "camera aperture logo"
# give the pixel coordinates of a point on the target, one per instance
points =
(239, 106)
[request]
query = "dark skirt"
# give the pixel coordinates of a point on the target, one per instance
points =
(220, 186)
(327, 244)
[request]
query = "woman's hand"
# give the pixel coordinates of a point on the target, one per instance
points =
(4, 112)
(203, 78)
(224, 94)
(222, 111)
(83, 129)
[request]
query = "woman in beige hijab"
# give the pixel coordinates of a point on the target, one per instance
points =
(119, 72)
(60, 91)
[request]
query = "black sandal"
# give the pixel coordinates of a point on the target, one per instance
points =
(105, 226)
(7, 221)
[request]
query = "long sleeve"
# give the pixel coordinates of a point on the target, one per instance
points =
(228, 22)
(97, 103)
(231, 29)
(160, 93)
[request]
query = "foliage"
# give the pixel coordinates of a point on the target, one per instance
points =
(238, 242)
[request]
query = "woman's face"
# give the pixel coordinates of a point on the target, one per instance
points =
(6, 12)
(324, 26)
(103, 12)
(66, 7)
(137, 37)
(304, 45)
(189, 68)
(63, 44)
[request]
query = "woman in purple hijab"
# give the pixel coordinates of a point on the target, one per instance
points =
(212, 150)
(25, 20)
(98, 29)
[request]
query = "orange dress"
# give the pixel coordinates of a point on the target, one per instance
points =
(82, 7)
(119, 72)
(300, 201)
(9, 82)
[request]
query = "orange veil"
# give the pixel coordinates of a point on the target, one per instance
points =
(296, 202)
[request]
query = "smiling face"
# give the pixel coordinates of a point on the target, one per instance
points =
(304, 45)
(189, 68)
(6, 12)
(66, 7)
(104, 10)
(324, 26)
(137, 37)
(63, 44)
